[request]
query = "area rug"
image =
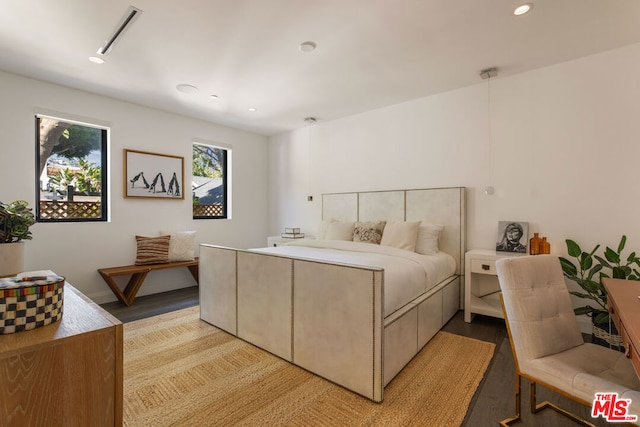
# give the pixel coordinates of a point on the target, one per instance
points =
(181, 371)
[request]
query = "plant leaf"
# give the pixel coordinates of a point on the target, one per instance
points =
(612, 256)
(573, 248)
(623, 241)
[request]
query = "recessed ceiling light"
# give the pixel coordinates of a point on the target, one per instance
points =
(213, 96)
(253, 109)
(185, 88)
(310, 120)
(307, 46)
(96, 60)
(522, 9)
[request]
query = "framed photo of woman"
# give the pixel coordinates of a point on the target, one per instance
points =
(513, 236)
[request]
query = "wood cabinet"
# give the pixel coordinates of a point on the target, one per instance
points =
(68, 373)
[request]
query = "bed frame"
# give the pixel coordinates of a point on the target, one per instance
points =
(328, 318)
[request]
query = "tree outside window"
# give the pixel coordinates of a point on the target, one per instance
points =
(71, 175)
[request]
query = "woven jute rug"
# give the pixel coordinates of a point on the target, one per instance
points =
(181, 371)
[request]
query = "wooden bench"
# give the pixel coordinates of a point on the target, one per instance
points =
(138, 274)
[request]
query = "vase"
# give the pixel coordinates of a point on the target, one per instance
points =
(545, 247)
(11, 258)
(534, 244)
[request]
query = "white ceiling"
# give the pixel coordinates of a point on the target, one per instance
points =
(370, 53)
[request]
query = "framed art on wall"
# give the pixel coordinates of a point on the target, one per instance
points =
(153, 175)
(512, 236)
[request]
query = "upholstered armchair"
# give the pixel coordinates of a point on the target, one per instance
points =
(547, 344)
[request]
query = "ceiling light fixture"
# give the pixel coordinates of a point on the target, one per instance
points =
(185, 88)
(253, 109)
(96, 60)
(307, 46)
(522, 9)
(128, 18)
(213, 96)
(310, 120)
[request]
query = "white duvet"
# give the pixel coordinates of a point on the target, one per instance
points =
(406, 274)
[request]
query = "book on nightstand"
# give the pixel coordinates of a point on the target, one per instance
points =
(292, 235)
(294, 230)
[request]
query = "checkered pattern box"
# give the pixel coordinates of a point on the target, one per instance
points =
(30, 302)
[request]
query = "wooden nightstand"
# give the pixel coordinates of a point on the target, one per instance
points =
(481, 287)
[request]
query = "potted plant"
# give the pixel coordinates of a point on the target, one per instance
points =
(588, 271)
(15, 220)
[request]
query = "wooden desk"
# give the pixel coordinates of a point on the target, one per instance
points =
(66, 373)
(624, 307)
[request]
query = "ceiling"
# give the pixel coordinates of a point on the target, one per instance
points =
(370, 53)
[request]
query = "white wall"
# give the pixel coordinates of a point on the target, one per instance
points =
(562, 155)
(77, 250)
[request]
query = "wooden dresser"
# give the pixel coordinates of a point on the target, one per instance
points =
(68, 373)
(624, 308)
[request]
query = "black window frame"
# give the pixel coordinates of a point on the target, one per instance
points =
(104, 145)
(225, 179)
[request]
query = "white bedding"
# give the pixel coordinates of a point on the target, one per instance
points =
(406, 274)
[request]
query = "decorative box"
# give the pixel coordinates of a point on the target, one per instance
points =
(30, 302)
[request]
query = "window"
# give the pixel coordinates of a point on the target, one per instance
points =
(71, 162)
(209, 181)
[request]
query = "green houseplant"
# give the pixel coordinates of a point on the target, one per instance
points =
(588, 271)
(15, 220)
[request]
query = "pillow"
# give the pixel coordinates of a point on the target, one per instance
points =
(427, 240)
(152, 250)
(322, 230)
(369, 232)
(339, 230)
(400, 234)
(181, 245)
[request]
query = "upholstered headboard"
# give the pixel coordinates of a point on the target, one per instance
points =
(444, 206)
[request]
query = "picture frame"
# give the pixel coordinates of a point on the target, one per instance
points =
(153, 175)
(513, 236)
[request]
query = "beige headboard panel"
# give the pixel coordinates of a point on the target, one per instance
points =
(444, 206)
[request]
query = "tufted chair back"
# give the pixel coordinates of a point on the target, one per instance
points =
(538, 306)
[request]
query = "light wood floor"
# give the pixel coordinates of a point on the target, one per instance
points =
(494, 400)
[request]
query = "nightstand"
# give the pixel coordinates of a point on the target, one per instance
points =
(481, 287)
(277, 240)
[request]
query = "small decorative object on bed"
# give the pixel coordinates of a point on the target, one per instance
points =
(152, 175)
(29, 301)
(350, 311)
(512, 236)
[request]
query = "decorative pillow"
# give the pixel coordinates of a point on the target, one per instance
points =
(181, 245)
(152, 250)
(428, 236)
(400, 234)
(339, 230)
(369, 232)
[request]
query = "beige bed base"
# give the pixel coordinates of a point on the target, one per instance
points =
(328, 318)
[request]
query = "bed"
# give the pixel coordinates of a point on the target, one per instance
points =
(353, 312)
